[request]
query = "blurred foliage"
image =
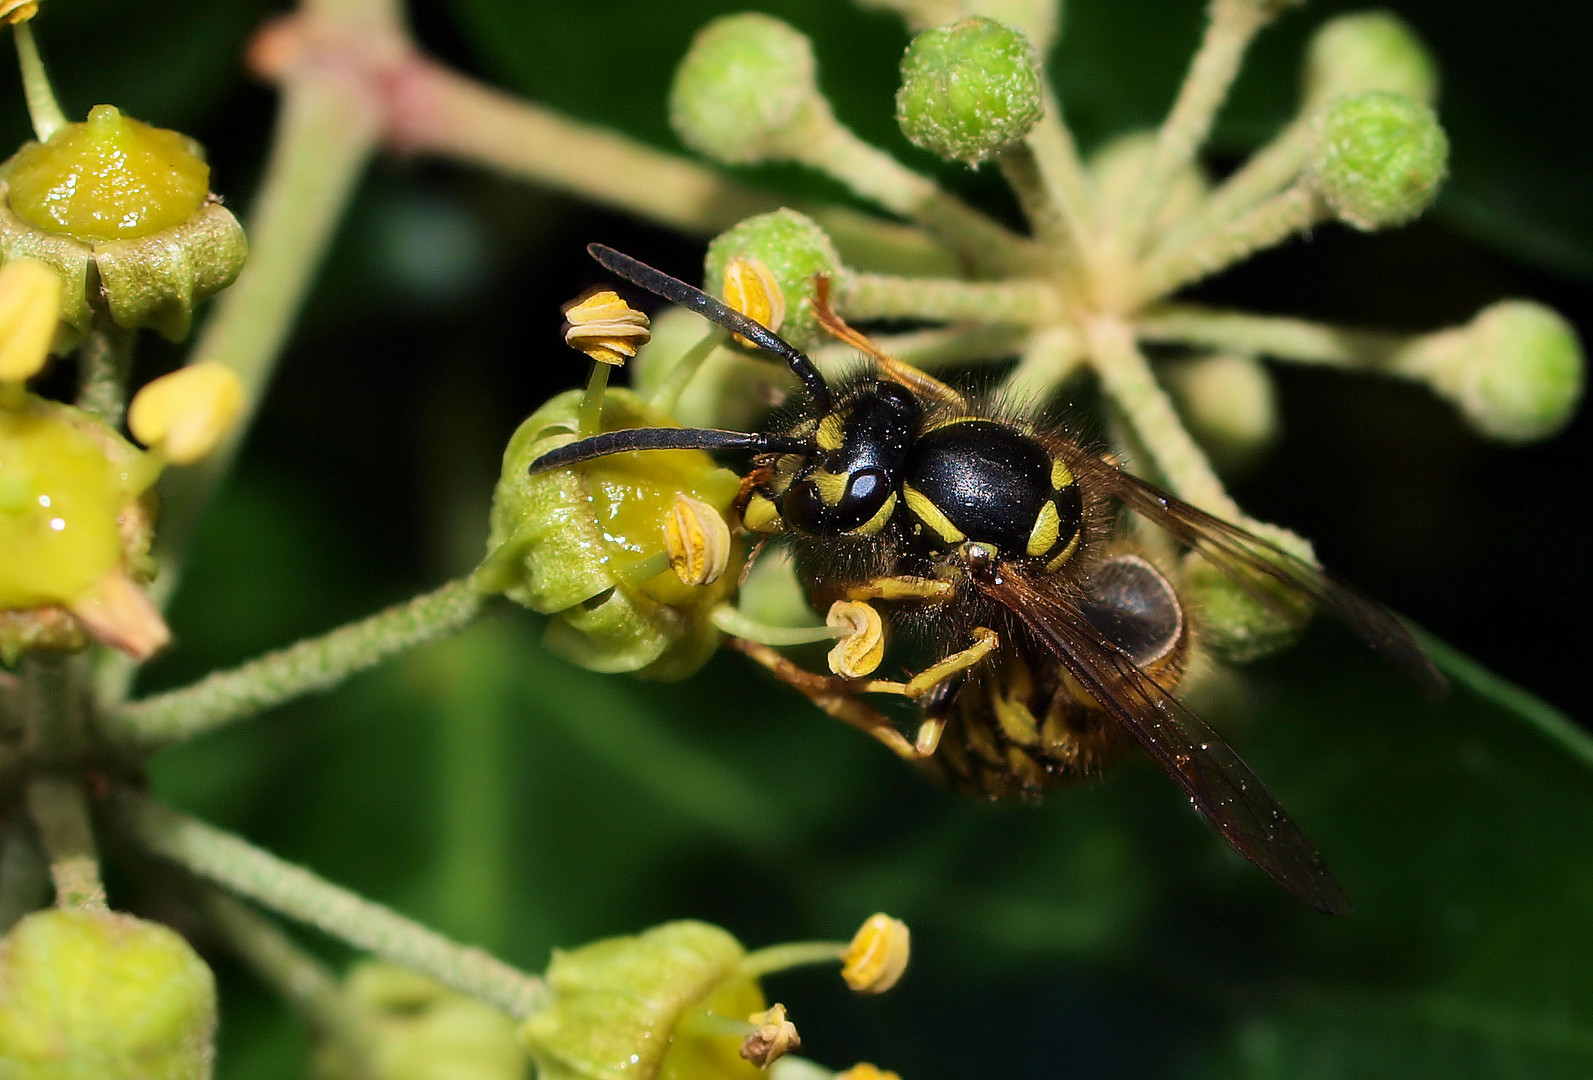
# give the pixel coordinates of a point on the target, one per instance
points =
(515, 802)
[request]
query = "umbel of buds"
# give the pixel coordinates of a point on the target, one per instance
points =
(133, 203)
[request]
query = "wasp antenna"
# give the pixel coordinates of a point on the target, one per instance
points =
(633, 439)
(718, 312)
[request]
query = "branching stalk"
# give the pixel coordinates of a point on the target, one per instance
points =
(249, 871)
(59, 809)
(1017, 301)
(310, 666)
(1297, 340)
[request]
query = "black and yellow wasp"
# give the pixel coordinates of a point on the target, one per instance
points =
(992, 536)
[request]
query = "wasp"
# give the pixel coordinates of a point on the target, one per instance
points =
(993, 535)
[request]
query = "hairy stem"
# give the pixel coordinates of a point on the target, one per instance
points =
(934, 349)
(249, 871)
(302, 979)
(1269, 170)
(315, 664)
(882, 296)
(438, 111)
(1231, 26)
(829, 147)
(1050, 357)
(1280, 217)
(1061, 169)
(1127, 379)
(1052, 225)
(59, 809)
(104, 362)
(1298, 340)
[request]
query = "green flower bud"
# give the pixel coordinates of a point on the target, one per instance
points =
(643, 1007)
(1237, 626)
(421, 1030)
(794, 249)
(130, 200)
(1514, 371)
(92, 995)
(1377, 159)
(969, 90)
(75, 527)
(1229, 403)
(586, 545)
(745, 89)
(1369, 50)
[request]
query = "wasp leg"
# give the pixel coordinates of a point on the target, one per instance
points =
(937, 710)
(986, 642)
(836, 696)
(921, 382)
(930, 590)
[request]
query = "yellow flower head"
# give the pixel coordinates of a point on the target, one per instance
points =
(187, 413)
(30, 308)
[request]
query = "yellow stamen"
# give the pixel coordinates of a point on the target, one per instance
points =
(861, 651)
(30, 308)
(605, 328)
(698, 541)
(187, 413)
(877, 956)
(776, 1037)
(750, 287)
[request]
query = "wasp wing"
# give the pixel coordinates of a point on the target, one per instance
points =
(1219, 784)
(1261, 567)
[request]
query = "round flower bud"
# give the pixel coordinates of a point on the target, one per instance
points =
(642, 1007)
(794, 249)
(1369, 50)
(745, 87)
(421, 1030)
(131, 201)
(969, 89)
(101, 994)
(1235, 625)
(1377, 159)
(1229, 403)
(75, 526)
(1515, 371)
(587, 544)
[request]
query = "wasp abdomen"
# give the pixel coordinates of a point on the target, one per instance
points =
(988, 482)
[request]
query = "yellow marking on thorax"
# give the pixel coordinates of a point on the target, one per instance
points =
(949, 422)
(830, 433)
(931, 515)
(1061, 475)
(1066, 553)
(1047, 527)
(877, 522)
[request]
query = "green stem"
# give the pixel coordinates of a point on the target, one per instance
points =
(1051, 356)
(1052, 226)
(295, 892)
(796, 954)
(666, 397)
(441, 112)
(312, 665)
(105, 360)
(59, 809)
(589, 418)
(1280, 217)
(1269, 170)
(1297, 340)
(1020, 301)
(930, 350)
(733, 622)
(829, 147)
(1061, 169)
(24, 875)
(43, 110)
(1231, 27)
(301, 978)
(54, 712)
(1127, 380)
(326, 131)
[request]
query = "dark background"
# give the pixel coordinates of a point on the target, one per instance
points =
(514, 802)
